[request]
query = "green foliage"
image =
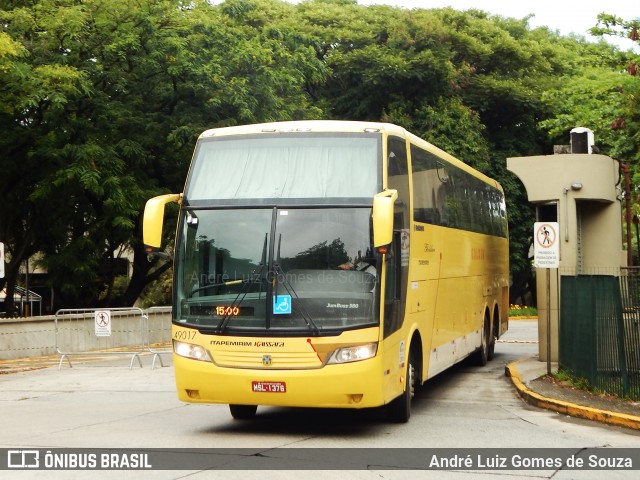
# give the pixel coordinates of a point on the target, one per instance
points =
(522, 311)
(600, 92)
(158, 293)
(567, 378)
(604, 95)
(598, 100)
(611, 25)
(101, 102)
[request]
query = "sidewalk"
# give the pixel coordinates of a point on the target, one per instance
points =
(527, 376)
(46, 361)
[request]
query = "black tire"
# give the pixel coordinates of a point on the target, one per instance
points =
(494, 337)
(399, 410)
(482, 354)
(243, 412)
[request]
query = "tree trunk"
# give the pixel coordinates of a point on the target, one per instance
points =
(144, 272)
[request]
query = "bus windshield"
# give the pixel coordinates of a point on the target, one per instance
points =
(279, 165)
(271, 270)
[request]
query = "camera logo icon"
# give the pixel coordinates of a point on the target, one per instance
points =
(23, 459)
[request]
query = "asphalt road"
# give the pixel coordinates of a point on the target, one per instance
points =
(107, 405)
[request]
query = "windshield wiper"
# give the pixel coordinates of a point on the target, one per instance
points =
(292, 292)
(213, 285)
(255, 274)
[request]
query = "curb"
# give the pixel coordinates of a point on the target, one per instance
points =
(571, 409)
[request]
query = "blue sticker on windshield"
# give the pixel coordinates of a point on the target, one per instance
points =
(282, 304)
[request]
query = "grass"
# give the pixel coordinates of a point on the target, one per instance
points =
(565, 377)
(522, 311)
(568, 379)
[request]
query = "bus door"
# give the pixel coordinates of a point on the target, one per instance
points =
(398, 259)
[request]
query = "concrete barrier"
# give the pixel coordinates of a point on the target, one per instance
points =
(27, 337)
(36, 336)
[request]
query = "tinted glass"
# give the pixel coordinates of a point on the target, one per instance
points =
(314, 271)
(451, 197)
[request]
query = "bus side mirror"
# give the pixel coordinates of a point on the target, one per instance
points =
(383, 208)
(153, 220)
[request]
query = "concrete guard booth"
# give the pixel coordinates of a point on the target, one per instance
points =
(580, 191)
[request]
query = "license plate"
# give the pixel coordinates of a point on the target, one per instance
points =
(269, 387)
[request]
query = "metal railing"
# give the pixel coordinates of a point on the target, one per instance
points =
(158, 333)
(113, 331)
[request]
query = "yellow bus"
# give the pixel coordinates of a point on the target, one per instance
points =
(330, 264)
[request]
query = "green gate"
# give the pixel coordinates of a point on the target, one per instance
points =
(599, 337)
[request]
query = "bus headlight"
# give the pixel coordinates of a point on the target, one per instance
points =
(353, 354)
(189, 350)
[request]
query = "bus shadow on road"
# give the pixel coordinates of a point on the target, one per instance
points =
(326, 421)
(365, 422)
(307, 421)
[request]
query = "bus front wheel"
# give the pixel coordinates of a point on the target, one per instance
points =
(243, 412)
(400, 409)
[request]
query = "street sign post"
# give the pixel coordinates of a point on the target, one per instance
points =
(546, 254)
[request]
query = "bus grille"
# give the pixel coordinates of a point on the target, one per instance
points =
(272, 361)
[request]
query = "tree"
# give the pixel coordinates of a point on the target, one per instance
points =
(467, 82)
(34, 96)
(624, 137)
(102, 101)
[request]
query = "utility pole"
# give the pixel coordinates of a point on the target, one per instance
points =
(636, 221)
(627, 211)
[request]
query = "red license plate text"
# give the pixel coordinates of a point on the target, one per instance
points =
(268, 387)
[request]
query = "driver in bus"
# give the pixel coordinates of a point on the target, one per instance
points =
(359, 264)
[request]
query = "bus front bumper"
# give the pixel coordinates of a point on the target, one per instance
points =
(348, 385)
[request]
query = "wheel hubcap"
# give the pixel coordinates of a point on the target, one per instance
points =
(410, 380)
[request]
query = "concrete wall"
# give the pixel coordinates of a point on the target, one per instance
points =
(546, 176)
(76, 333)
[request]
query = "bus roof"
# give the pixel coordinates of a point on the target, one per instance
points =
(346, 126)
(305, 126)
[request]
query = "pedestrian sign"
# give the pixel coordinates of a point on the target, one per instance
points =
(102, 323)
(546, 247)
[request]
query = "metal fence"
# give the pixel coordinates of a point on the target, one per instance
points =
(599, 336)
(113, 331)
(158, 333)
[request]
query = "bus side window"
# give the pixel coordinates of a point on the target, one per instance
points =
(398, 179)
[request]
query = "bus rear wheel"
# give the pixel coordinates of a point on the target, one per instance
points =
(492, 346)
(243, 412)
(482, 354)
(494, 335)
